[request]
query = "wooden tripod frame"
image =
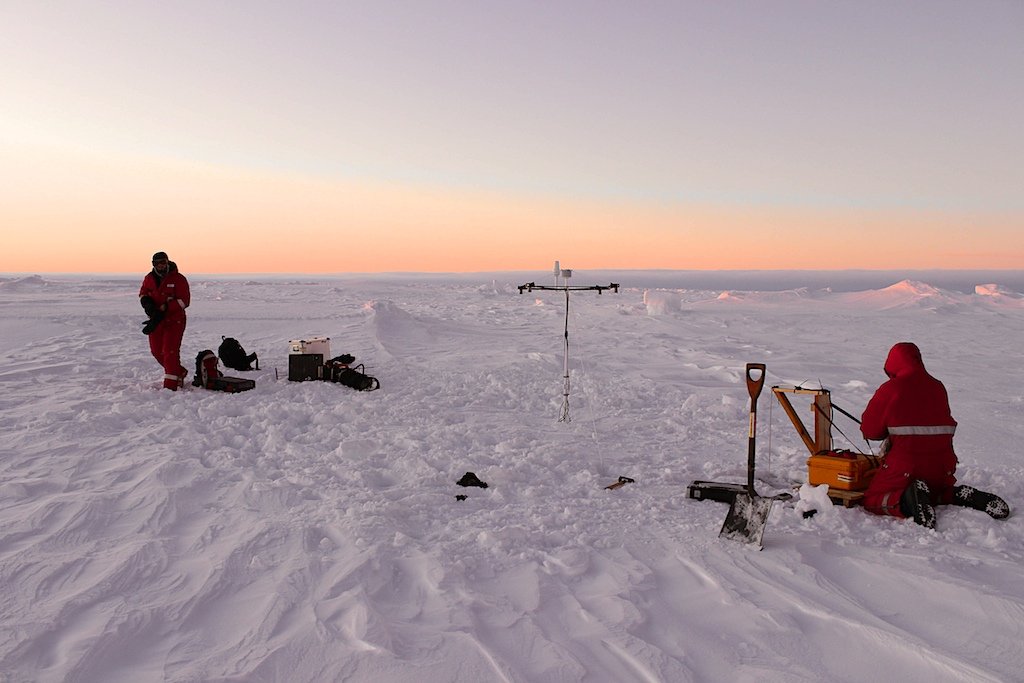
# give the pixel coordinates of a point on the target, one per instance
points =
(821, 442)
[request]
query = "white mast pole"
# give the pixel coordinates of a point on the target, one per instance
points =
(564, 417)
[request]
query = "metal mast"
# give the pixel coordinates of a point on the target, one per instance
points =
(531, 286)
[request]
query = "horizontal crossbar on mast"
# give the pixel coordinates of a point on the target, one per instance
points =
(530, 286)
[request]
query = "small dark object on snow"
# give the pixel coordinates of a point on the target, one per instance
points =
(461, 497)
(620, 483)
(470, 479)
(809, 513)
(233, 355)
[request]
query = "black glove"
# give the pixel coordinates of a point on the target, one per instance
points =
(154, 319)
(148, 305)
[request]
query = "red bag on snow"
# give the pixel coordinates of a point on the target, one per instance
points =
(209, 376)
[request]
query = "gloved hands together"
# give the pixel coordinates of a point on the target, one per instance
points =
(154, 313)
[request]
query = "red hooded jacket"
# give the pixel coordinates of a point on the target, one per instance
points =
(912, 411)
(171, 291)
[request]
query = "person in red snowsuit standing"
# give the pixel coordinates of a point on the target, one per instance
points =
(911, 412)
(165, 296)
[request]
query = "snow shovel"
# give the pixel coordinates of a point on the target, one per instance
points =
(748, 513)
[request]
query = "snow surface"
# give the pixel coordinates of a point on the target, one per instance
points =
(308, 532)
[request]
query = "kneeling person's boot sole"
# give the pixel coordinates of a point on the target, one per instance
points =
(916, 503)
(989, 503)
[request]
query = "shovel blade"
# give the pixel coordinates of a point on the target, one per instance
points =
(747, 518)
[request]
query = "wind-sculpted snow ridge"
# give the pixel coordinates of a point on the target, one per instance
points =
(913, 288)
(907, 294)
(305, 532)
(914, 294)
(999, 294)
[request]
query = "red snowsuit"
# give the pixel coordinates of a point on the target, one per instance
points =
(170, 293)
(912, 411)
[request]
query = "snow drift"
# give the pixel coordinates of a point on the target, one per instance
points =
(307, 532)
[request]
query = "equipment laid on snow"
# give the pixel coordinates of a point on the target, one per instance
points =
(232, 385)
(206, 368)
(748, 512)
(848, 473)
(306, 358)
(233, 355)
(712, 490)
(209, 376)
(529, 287)
(842, 470)
(321, 345)
(723, 492)
(620, 483)
(306, 362)
(305, 366)
(355, 377)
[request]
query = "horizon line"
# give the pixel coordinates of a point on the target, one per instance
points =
(521, 271)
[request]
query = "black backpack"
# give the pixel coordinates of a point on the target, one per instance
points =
(234, 356)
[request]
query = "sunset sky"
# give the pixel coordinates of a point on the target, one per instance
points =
(326, 137)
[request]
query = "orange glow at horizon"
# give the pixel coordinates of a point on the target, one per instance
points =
(79, 213)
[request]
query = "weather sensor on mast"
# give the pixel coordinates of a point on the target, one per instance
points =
(565, 273)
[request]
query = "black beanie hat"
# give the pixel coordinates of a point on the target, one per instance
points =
(160, 256)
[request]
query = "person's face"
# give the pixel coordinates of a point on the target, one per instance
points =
(160, 266)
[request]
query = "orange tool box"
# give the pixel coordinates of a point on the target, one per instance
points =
(842, 470)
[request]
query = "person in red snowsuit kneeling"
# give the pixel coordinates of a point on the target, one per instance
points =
(911, 412)
(165, 296)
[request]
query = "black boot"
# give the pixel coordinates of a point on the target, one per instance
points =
(916, 502)
(989, 503)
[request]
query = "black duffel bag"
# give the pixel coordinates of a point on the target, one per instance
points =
(338, 370)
